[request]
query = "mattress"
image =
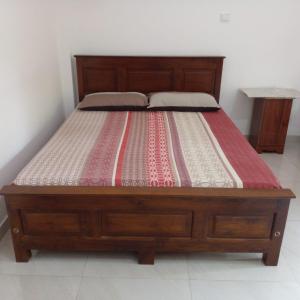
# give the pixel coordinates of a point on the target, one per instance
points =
(147, 149)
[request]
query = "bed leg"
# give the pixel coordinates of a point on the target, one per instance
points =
(21, 254)
(271, 258)
(146, 257)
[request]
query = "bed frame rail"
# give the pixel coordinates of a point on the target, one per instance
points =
(147, 220)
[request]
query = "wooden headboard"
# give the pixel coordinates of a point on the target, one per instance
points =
(148, 74)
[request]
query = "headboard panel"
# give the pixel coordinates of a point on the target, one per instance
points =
(148, 74)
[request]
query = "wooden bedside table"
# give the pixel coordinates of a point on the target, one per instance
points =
(270, 118)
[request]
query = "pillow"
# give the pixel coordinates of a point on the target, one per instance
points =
(114, 101)
(181, 101)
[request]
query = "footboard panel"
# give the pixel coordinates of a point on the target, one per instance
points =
(148, 223)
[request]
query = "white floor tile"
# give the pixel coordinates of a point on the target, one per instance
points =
(292, 236)
(292, 257)
(291, 247)
(133, 289)
(117, 265)
(237, 290)
(284, 169)
(14, 287)
(292, 152)
(41, 263)
(247, 267)
(294, 210)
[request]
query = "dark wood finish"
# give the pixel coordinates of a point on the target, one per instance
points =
(146, 256)
(148, 223)
(82, 191)
(271, 256)
(22, 253)
(241, 226)
(147, 220)
(270, 122)
(53, 223)
(148, 74)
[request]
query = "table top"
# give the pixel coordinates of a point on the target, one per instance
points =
(271, 93)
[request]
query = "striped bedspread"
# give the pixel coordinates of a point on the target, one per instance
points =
(161, 149)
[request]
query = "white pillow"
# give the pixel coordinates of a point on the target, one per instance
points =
(183, 101)
(114, 101)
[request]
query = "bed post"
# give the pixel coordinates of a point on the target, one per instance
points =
(271, 256)
(146, 256)
(21, 254)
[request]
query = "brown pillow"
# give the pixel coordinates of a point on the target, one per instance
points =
(183, 101)
(114, 101)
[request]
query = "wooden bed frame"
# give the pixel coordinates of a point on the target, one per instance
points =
(147, 220)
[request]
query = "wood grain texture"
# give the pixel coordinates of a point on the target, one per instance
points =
(103, 192)
(53, 223)
(241, 226)
(148, 223)
(271, 256)
(270, 121)
(148, 74)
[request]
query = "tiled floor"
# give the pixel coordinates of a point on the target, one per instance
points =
(198, 276)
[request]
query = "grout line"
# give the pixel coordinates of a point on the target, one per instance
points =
(245, 280)
(190, 288)
(84, 267)
(136, 278)
(38, 275)
(82, 277)
(153, 278)
(79, 287)
(188, 266)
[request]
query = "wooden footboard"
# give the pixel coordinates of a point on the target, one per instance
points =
(147, 220)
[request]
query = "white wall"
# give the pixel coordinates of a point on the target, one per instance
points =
(261, 42)
(30, 98)
(39, 37)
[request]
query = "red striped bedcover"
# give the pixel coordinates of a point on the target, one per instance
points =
(148, 149)
(250, 167)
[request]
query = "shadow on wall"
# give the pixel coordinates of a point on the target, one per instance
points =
(242, 106)
(10, 170)
(74, 80)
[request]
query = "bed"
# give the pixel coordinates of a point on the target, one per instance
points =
(86, 191)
